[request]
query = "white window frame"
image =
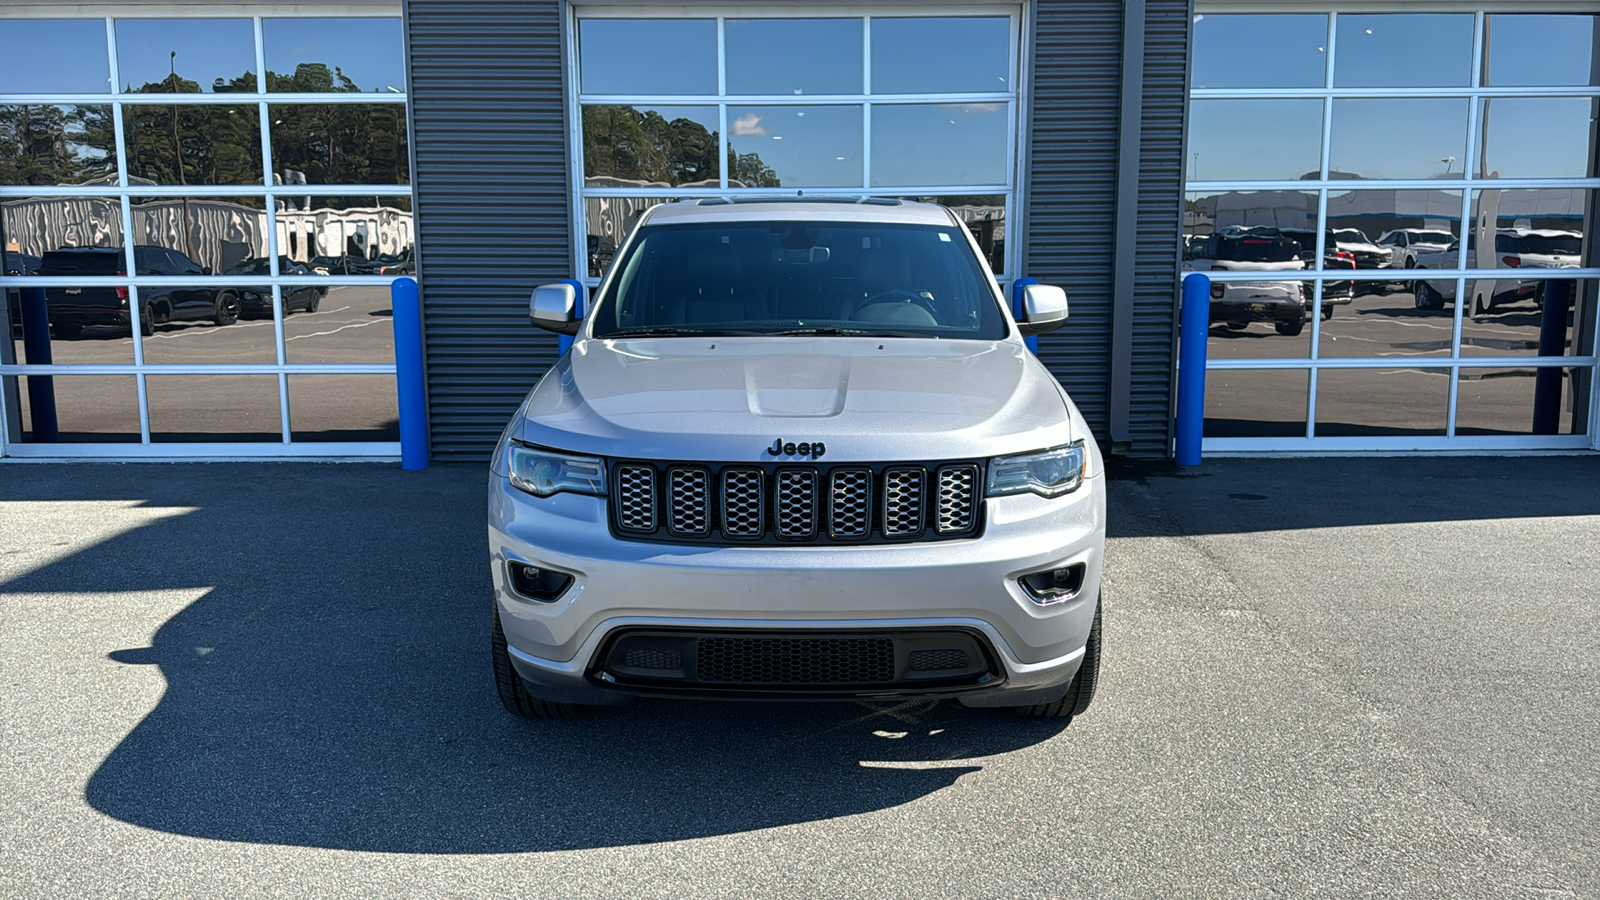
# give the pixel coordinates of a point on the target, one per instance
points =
(123, 191)
(1467, 185)
(1016, 99)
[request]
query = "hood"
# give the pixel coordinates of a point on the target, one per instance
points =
(728, 399)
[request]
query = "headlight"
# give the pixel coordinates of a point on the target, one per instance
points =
(1048, 474)
(545, 472)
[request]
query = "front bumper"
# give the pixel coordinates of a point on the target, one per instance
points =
(1031, 651)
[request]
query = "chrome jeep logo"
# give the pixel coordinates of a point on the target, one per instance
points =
(813, 450)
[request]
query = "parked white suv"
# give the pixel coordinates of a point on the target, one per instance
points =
(1406, 244)
(797, 450)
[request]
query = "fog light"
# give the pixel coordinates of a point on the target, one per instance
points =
(1053, 585)
(539, 584)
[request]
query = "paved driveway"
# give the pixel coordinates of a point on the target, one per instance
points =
(1328, 677)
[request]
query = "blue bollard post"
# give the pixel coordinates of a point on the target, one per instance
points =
(1552, 342)
(1193, 323)
(407, 302)
(1018, 312)
(564, 341)
(36, 352)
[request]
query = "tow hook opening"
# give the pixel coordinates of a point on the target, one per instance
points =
(1056, 585)
(544, 585)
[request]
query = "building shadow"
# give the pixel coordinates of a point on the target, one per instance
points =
(332, 688)
(1242, 496)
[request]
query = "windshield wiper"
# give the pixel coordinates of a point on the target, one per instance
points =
(849, 332)
(653, 331)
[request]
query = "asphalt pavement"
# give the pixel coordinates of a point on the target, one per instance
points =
(1331, 677)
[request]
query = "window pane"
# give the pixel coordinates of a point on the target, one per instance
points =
(90, 409)
(647, 56)
(345, 143)
(656, 146)
(609, 220)
(1256, 402)
(1362, 402)
(793, 56)
(794, 146)
(1396, 229)
(62, 236)
(971, 139)
(1537, 137)
(316, 55)
(1404, 51)
(197, 235)
(343, 408)
(1540, 50)
(1235, 140)
(1523, 316)
(214, 144)
(349, 324)
(1533, 229)
(1401, 138)
(186, 56)
(984, 216)
(54, 56)
(1227, 51)
(348, 235)
(938, 56)
(1502, 401)
(1267, 232)
(44, 144)
(213, 408)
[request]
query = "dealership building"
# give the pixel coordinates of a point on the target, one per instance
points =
(204, 204)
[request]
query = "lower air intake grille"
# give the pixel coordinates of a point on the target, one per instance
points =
(651, 658)
(796, 660)
(934, 660)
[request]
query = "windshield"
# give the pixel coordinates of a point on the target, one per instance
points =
(1566, 245)
(1258, 249)
(1432, 237)
(1351, 236)
(801, 278)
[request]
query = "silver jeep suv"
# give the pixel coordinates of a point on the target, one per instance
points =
(797, 450)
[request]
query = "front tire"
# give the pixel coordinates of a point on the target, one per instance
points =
(514, 694)
(227, 311)
(1426, 297)
(1081, 692)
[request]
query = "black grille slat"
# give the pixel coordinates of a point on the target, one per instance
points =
(785, 502)
(688, 501)
(636, 498)
(796, 502)
(904, 495)
(729, 660)
(850, 503)
(743, 502)
(957, 499)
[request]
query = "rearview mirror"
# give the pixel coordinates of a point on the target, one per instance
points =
(1045, 307)
(554, 308)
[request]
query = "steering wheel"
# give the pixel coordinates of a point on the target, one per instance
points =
(897, 295)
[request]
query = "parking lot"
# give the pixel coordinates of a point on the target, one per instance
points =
(1323, 677)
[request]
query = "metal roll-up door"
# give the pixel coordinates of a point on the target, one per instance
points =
(1075, 107)
(488, 113)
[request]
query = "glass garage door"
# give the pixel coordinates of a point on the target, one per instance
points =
(1396, 212)
(916, 105)
(211, 211)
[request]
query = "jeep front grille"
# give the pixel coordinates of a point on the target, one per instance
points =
(785, 503)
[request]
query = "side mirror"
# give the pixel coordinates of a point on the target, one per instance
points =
(554, 308)
(1045, 307)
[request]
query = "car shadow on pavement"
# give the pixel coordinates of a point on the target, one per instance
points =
(332, 689)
